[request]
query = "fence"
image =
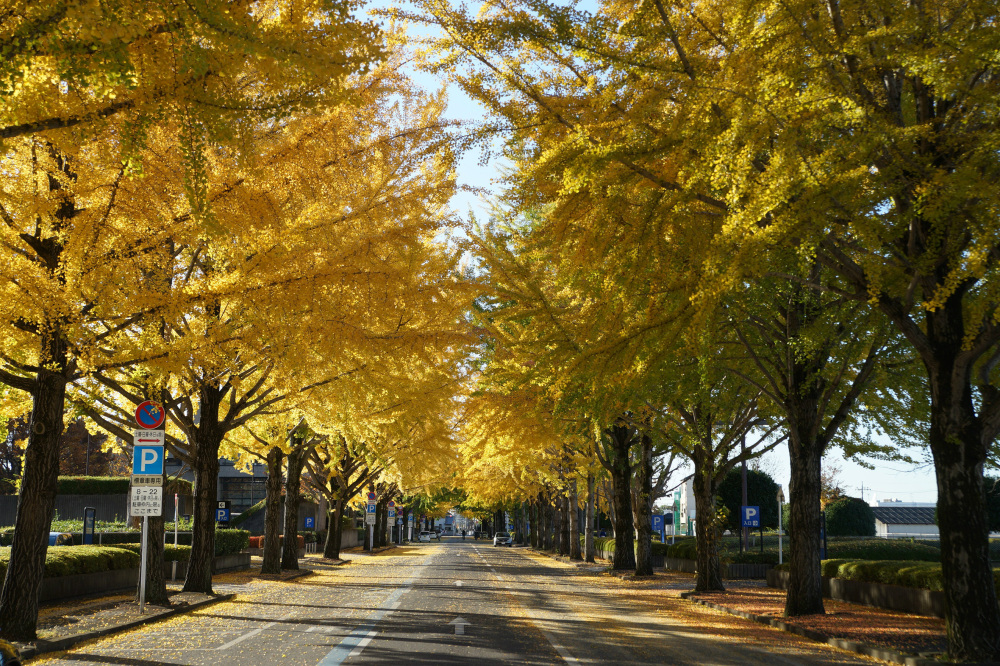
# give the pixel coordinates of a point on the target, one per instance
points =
(109, 507)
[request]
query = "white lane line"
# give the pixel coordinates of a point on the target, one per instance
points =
(357, 640)
(563, 652)
(251, 634)
(553, 641)
(363, 643)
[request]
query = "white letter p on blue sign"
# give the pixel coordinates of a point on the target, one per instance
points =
(147, 460)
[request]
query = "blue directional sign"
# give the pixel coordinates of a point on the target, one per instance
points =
(310, 522)
(147, 460)
(750, 516)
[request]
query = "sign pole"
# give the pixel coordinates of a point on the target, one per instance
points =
(142, 566)
(173, 565)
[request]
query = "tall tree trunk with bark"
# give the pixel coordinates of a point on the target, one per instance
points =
(335, 530)
(381, 513)
(644, 507)
(574, 522)
(272, 513)
(156, 579)
(293, 481)
(588, 540)
(36, 501)
(957, 442)
(205, 441)
(709, 574)
(620, 439)
(557, 526)
(551, 524)
(805, 581)
(564, 536)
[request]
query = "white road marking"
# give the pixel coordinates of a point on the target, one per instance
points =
(251, 634)
(358, 640)
(459, 623)
(363, 643)
(563, 652)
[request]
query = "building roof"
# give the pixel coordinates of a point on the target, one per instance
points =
(904, 515)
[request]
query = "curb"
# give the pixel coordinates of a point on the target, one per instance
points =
(885, 654)
(44, 647)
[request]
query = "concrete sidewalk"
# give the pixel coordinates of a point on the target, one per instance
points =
(65, 624)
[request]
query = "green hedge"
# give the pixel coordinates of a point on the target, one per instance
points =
(907, 573)
(882, 549)
(112, 485)
(227, 541)
(243, 517)
(171, 553)
(607, 544)
(67, 561)
(93, 485)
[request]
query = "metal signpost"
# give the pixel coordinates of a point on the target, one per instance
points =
(222, 513)
(392, 514)
(370, 519)
(89, 520)
(147, 478)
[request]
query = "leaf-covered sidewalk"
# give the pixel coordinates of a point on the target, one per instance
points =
(902, 632)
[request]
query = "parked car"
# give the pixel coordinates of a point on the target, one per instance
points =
(9, 656)
(503, 539)
(60, 539)
(427, 536)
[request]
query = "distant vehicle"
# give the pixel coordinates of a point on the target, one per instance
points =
(427, 536)
(60, 539)
(503, 539)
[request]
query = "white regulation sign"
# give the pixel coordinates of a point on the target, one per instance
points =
(147, 501)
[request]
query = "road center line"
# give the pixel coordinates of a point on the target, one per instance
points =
(553, 641)
(357, 640)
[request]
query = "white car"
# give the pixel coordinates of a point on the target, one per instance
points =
(503, 539)
(427, 536)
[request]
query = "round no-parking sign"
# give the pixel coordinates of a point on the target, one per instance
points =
(149, 415)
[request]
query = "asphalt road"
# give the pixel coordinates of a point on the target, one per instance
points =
(454, 602)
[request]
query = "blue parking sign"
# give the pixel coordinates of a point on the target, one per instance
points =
(147, 460)
(750, 515)
(222, 515)
(657, 522)
(310, 522)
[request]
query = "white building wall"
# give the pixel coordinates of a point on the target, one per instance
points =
(905, 531)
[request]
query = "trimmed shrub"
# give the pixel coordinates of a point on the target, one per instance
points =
(171, 553)
(683, 549)
(93, 485)
(850, 516)
(230, 542)
(68, 561)
(883, 549)
(243, 517)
